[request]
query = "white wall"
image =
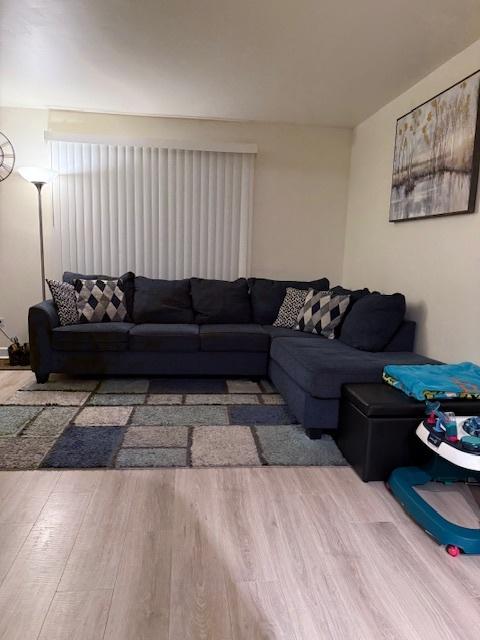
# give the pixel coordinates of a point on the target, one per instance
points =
(435, 262)
(301, 184)
(20, 281)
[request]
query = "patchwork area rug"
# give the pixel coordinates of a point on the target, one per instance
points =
(161, 422)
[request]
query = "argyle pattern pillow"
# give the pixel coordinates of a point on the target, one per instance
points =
(292, 303)
(100, 301)
(63, 295)
(321, 313)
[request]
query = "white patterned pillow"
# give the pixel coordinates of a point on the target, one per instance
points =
(291, 305)
(100, 301)
(63, 295)
(322, 312)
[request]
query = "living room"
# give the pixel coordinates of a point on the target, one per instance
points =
(208, 442)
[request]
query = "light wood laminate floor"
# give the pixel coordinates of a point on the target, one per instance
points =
(228, 554)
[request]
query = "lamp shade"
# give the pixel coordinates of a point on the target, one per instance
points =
(37, 174)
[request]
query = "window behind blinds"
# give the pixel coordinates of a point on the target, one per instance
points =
(161, 212)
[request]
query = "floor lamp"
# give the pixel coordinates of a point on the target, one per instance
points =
(39, 177)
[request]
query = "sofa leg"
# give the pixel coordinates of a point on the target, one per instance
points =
(314, 434)
(42, 377)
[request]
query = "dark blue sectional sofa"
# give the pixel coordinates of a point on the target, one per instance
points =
(216, 328)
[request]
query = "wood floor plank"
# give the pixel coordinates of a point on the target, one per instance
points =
(364, 502)
(12, 537)
(11, 381)
(292, 544)
(79, 481)
(296, 553)
(316, 606)
(198, 599)
(332, 529)
(77, 615)
(318, 566)
(303, 554)
(309, 622)
(29, 586)
(9, 480)
(258, 611)
(141, 598)
(357, 613)
(244, 539)
(26, 496)
(413, 588)
(95, 557)
(465, 570)
(258, 479)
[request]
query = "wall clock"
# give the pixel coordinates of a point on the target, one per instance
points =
(7, 157)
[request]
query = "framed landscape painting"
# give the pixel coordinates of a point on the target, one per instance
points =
(437, 153)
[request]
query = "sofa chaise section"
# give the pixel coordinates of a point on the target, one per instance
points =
(310, 375)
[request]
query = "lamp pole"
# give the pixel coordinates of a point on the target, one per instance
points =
(39, 186)
(39, 177)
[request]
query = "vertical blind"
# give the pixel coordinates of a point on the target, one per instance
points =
(161, 212)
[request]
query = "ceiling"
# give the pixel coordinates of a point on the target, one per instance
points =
(330, 62)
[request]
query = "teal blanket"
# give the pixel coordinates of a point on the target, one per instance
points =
(429, 381)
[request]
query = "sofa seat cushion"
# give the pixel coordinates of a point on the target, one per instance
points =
(234, 337)
(164, 337)
(321, 367)
(284, 332)
(94, 336)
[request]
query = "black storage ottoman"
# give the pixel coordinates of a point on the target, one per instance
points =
(377, 424)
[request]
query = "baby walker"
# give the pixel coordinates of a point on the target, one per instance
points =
(456, 442)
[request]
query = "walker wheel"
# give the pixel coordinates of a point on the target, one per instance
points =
(452, 550)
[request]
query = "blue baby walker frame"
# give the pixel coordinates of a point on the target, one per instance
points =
(456, 443)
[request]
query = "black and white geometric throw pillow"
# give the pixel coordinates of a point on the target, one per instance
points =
(64, 299)
(322, 312)
(292, 303)
(100, 301)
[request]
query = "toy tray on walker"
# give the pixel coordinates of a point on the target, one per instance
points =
(451, 468)
(452, 451)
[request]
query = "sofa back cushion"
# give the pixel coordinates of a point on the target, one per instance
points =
(404, 338)
(373, 321)
(220, 301)
(128, 282)
(267, 295)
(355, 295)
(162, 301)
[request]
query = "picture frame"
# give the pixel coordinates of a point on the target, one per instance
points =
(437, 155)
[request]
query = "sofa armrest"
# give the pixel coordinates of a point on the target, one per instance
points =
(404, 338)
(42, 319)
